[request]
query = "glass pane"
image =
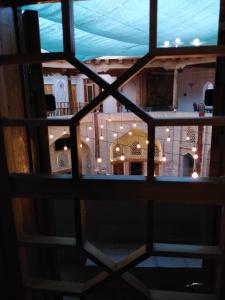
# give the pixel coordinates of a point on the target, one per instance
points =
(183, 23)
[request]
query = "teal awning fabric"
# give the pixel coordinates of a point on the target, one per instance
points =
(121, 27)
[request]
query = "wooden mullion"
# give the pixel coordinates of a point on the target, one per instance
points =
(68, 26)
(43, 241)
(7, 3)
(141, 113)
(9, 249)
(153, 25)
(90, 106)
(14, 122)
(200, 121)
(132, 71)
(88, 72)
(30, 58)
(132, 260)
(166, 189)
(99, 257)
(151, 152)
(75, 151)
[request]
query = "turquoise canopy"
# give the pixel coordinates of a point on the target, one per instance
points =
(121, 27)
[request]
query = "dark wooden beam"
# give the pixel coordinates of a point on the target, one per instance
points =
(68, 26)
(166, 189)
(40, 241)
(54, 287)
(30, 58)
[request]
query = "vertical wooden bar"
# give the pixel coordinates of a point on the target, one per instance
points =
(68, 27)
(151, 153)
(153, 25)
(8, 245)
(217, 161)
(76, 151)
(150, 177)
(79, 205)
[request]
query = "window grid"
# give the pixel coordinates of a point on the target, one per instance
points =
(150, 248)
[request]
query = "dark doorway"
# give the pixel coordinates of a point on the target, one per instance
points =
(188, 164)
(136, 168)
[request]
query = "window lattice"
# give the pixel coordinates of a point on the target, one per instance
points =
(134, 150)
(63, 160)
(156, 152)
(117, 150)
(190, 133)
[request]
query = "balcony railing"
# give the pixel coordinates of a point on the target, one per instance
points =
(64, 109)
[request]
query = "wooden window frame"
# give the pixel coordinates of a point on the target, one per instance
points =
(205, 191)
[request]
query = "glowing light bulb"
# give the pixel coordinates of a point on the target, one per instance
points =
(195, 175)
(65, 148)
(163, 158)
(81, 145)
(130, 133)
(147, 142)
(87, 139)
(196, 42)
(138, 146)
(117, 149)
(194, 149)
(90, 128)
(51, 136)
(166, 44)
(134, 125)
(122, 157)
(167, 129)
(187, 138)
(195, 156)
(64, 131)
(99, 160)
(121, 127)
(168, 139)
(101, 126)
(177, 41)
(109, 119)
(111, 160)
(101, 137)
(115, 134)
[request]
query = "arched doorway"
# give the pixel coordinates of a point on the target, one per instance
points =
(188, 164)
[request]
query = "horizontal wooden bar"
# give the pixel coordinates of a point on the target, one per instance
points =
(159, 249)
(30, 58)
(27, 2)
(54, 287)
(183, 250)
(29, 240)
(198, 121)
(189, 51)
(165, 189)
(35, 122)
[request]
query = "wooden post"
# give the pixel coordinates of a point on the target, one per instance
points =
(217, 162)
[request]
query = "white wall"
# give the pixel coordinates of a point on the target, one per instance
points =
(60, 86)
(191, 82)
